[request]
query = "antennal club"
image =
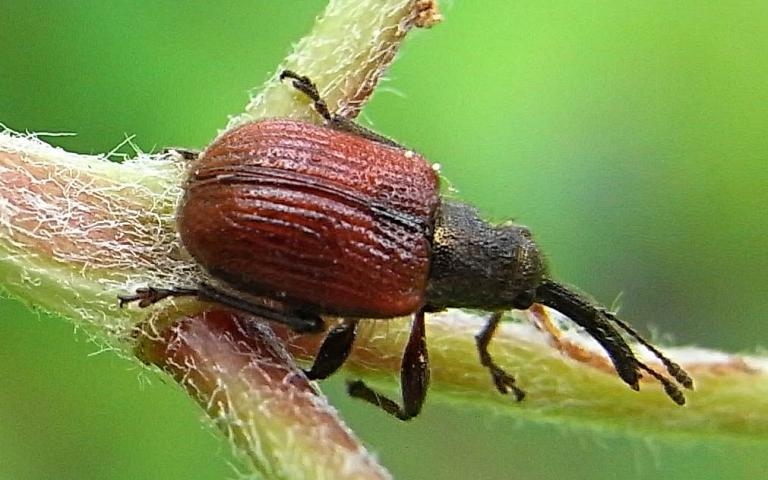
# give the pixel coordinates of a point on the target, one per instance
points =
(673, 368)
(669, 388)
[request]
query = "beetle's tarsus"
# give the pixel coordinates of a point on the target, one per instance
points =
(333, 120)
(146, 296)
(306, 86)
(187, 154)
(358, 389)
(505, 383)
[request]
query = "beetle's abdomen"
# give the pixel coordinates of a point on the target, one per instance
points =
(325, 219)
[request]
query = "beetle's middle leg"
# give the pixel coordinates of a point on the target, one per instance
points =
(504, 382)
(334, 351)
(414, 377)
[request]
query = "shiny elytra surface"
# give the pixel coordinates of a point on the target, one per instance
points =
(330, 221)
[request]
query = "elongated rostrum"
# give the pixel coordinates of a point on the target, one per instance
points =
(339, 220)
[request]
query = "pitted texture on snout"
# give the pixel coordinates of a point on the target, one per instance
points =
(329, 221)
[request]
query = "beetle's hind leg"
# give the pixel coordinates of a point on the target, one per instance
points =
(414, 377)
(504, 382)
(147, 296)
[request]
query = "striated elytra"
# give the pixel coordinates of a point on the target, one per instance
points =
(324, 219)
(339, 220)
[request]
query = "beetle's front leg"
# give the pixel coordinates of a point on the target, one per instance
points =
(504, 382)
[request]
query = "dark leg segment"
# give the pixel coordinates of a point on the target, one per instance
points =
(414, 377)
(504, 382)
(334, 350)
(149, 295)
(187, 154)
(308, 88)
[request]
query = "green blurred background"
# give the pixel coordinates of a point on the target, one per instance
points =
(631, 137)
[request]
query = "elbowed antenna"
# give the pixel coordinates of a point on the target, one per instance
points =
(597, 321)
(673, 368)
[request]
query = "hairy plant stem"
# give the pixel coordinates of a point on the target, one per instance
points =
(76, 230)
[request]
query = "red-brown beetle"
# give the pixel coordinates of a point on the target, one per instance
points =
(339, 220)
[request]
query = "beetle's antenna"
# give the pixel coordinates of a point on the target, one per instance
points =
(583, 312)
(669, 388)
(673, 368)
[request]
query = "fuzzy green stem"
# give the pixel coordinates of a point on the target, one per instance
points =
(563, 386)
(731, 398)
(348, 50)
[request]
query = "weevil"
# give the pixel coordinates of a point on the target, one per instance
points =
(336, 219)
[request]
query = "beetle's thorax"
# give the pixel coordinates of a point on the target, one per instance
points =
(476, 264)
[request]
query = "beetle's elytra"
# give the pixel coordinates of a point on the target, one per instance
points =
(337, 219)
(325, 219)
